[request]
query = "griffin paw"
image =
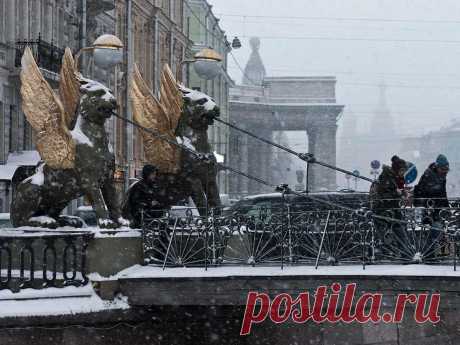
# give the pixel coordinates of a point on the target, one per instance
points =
(43, 222)
(107, 224)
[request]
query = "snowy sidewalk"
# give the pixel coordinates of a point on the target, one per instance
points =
(276, 271)
(53, 302)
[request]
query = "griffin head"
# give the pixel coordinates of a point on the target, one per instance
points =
(201, 108)
(97, 102)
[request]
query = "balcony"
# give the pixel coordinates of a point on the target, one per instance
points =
(47, 55)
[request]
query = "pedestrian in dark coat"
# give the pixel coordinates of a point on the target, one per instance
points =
(386, 195)
(431, 189)
(431, 193)
(388, 190)
(142, 200)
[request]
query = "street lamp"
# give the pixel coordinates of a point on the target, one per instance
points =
(107, 51)
(207, 63)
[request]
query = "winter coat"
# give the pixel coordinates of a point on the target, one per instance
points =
(142, 202)
(431, 187)
(385, 193)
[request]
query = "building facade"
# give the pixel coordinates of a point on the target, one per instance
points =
(48, 26)
(204, 30)
(269, 105)
(154, 34)
(153, 31)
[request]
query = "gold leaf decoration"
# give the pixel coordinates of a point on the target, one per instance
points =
(45, 112)
(161, 116)
(69, 88)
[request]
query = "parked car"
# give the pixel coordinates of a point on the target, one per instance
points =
(268, 204)
(87, 214)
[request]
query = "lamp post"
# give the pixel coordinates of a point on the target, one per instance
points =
(207, 63)
(107, 51)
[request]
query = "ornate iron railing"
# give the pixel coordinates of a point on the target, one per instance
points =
(404, 235)
(42, 259)
(47, 55)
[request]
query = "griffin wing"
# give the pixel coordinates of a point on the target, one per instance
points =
(160, 116)
(171, 96)
(69, 88)
(45, 112)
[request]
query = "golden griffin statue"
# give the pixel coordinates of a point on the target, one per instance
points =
(73, 146)
(184, 116)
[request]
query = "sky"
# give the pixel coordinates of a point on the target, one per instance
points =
(411, 45)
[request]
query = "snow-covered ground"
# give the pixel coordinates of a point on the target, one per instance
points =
(276, 271)
(123, 232)
(52, 301)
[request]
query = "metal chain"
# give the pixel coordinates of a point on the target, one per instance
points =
(306, 157)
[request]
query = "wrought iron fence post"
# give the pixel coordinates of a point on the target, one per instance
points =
(283, 197)
(291, 257)
(206, 240)
(363, 246)
(170, 242)
(322, 239)
(456, 238)
(373, 242)
(213, 229)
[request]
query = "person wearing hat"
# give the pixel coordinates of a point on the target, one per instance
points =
(142, 199)
(431, 193)
(431, 190)
(388, 190)
(386, 196)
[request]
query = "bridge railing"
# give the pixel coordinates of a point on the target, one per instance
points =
(400, 235)
(41, 259)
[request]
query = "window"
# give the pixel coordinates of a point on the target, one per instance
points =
(166, 6)
(2, 22)
(28, 136)
(235, 144)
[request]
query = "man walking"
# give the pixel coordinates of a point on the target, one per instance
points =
(142, 200)
(431, 189)
(387, 195)
(431, 193)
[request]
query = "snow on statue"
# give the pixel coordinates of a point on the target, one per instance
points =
(73, 144)
(184, 116)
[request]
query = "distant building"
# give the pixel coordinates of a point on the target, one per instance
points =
(264, 105)
(380, 141)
